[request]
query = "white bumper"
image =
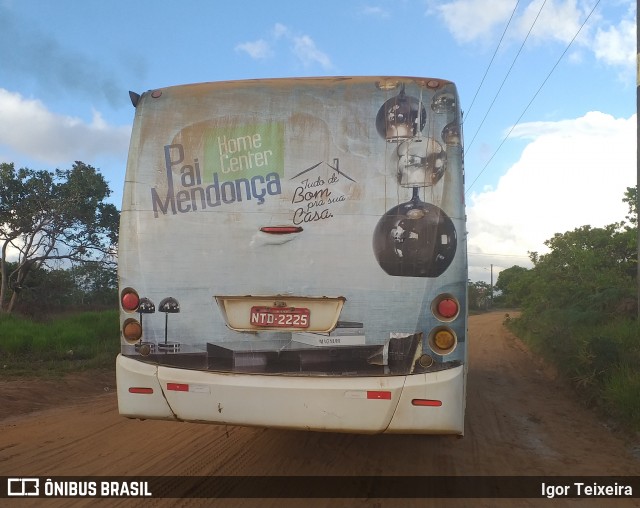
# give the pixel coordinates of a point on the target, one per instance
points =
(338, 404)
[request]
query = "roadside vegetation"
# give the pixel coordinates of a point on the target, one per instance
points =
(88, 340)
(65, 320)
(58, 290)
(579, 311)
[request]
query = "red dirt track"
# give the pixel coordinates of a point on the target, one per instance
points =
(521, 420)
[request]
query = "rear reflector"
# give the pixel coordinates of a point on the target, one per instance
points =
(381, 395)
(178, 387)
(426, 402)
(139, 389)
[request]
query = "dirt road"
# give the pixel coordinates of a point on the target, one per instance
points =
(521, 420)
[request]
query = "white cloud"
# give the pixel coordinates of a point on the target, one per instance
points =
(303, 47)
(614, 43)
(555, 20)
(572, 173)
(29, 128)
(470, 20)
(258, 50)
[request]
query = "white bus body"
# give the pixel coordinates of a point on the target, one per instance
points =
(293, 254)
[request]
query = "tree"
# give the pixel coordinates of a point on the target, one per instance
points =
(52, 216)
(46, 291)
(589, 271)
(513, 285)
(589, 276)
(97, 285)
(479, 295)
(631, 198)
(86, 286)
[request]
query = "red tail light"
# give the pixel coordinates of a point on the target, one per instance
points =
(448, 307)
(129, 299)
(445, 307)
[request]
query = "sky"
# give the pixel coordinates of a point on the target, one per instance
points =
(547, 88)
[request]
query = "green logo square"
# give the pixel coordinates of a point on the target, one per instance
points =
(244, 151)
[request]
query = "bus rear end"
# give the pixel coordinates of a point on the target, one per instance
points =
(292, 254)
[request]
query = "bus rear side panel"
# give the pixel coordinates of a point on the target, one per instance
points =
(302, 237)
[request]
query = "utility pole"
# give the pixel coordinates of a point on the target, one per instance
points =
(638, 153)
(492, 286)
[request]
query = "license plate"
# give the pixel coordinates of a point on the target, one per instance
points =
(280, 317)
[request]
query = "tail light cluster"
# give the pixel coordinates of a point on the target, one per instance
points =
(442, 339)
(131, 302)
(131, 328)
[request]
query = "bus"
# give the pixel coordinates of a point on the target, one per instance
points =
(292, 255)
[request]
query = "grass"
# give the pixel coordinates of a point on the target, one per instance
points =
(622, 392)
(600, 359)
(83, 341)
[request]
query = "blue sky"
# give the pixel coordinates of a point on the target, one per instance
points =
(66, 68)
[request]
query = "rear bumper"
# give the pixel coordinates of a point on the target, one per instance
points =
(367, 405)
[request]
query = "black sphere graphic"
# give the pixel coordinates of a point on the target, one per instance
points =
(415, 239)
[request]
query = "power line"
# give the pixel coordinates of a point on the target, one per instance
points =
(506, 76)
(534, 95)
(492, 58)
